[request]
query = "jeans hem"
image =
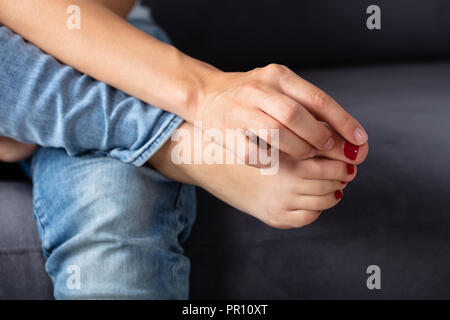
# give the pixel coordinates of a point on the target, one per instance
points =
(157, 141)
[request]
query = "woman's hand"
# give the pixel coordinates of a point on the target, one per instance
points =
(13, 151)
(274, 97)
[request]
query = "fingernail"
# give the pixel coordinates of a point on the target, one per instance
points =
(343, 182)
(350, 169)
(350, 150)
(313, 153)
(360, 135)
(329, 144)
(338, 194)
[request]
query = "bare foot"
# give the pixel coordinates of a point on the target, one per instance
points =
(293, 197)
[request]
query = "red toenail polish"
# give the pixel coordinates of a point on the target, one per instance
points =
(350, 150)
(338, 194)
(343, 182)
(350, 169)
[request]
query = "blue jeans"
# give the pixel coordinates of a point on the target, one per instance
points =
(118, 226)
(109, 228)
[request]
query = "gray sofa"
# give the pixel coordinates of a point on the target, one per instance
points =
(396, 214)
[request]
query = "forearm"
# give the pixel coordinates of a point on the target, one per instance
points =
(111, 50)
(52, 105)
(120, 7)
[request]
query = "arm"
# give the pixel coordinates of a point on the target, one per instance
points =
(120, 7)
(12, 150)
(111, 50)
(46, 103)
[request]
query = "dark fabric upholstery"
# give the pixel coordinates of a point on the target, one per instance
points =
(237, 35)
(396, 213)
(11, 172)
(22, 274)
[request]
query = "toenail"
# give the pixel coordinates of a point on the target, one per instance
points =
(350, 169)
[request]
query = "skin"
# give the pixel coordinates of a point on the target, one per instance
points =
(292, 198)
(111, 50)
(13, 151)
(120, 7)
(272, 97)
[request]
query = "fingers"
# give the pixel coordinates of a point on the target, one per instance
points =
(288, 141)
(295, 117)
(325, 107)
(326, 169)
(345, 151)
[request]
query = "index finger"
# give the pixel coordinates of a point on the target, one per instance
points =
(325, 107)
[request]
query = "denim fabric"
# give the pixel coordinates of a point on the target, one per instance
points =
(119, 225)
(109, 230)
(50, 104)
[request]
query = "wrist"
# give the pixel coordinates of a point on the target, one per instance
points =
(200, 77)
(176, 82)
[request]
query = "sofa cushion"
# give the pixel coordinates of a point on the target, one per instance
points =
(22, 273)
(396, 214)
(236, 35)
(11, 172)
